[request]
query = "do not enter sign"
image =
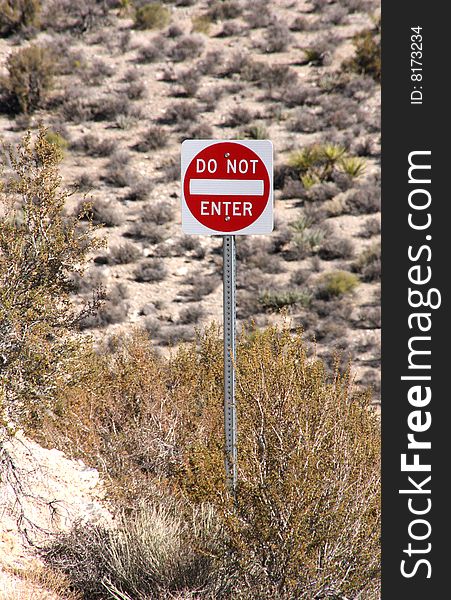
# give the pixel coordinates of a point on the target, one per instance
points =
(227, 187)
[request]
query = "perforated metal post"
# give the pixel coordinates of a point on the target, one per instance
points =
(229, 280)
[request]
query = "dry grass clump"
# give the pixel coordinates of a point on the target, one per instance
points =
(166, 547)
(306, 517)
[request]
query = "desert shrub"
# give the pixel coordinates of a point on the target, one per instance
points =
(339, 112)
(171, 170)
(202, 287)
(118, 173)
(104, 212)
(296, 425)
(153, 417)
(256, 131)
(307, 120)
(96, 72)
(367, 57)
(154, 138)
(174, 31)
(368, 263)
(292, 188)
(198, 131)
(124, 254)
(91, 145)
(364, 199)
(258, 15)
(76, 107)
(371, 227)
(335, 15)
(152, 327)
(335, 247)
(319, 53)
(158, 213)
(135, 90)
(17, 15)
(190, 314)
(231, 28)
(220, 10)
(201, 24)
(277, 38)
(303, 24)
(162, 548)
(300, 276)
(151, 52)
(151, 16)
(140, 189)
(186, 48)
(77, 17)
(298, 95)
(369, 317)
(30, 76)
(40, 250)
(239, 115)
(337, 283)
(210, 63)
(111, 107)
(277, 79)
(275, 301)
(146, 232)
(150, 270)
(113, 310)
(173, 335)
(180, 113)
(84, 182)
(189, 80)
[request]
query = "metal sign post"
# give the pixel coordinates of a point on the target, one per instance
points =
(229, 281)
(227, 190)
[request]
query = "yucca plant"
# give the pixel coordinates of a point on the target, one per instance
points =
(352, 166)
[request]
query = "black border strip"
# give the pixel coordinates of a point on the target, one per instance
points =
(408, 128)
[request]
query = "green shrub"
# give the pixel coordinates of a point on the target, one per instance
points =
(30, 74)
(18, 14)
(337, 283)
(274, 301)
(152, 16)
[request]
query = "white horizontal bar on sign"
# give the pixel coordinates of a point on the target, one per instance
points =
(227, 187)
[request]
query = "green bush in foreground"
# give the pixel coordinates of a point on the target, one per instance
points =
(306, 520)
(40, 250)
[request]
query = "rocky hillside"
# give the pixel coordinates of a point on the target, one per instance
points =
(121, 86)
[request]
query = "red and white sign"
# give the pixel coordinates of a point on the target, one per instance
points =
(227, 187)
